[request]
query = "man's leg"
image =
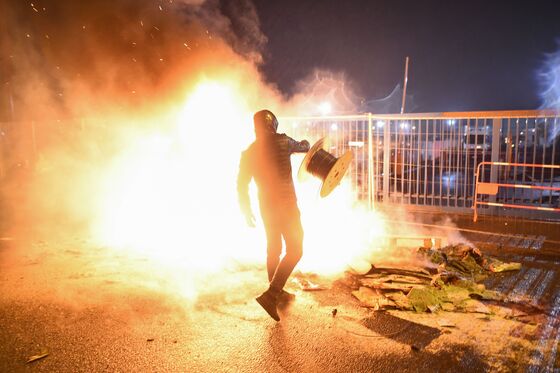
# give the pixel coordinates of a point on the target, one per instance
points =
(273, 246)
(293, 235)
(269, 299)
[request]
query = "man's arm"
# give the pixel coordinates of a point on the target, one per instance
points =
(243, 179)
(298, 146)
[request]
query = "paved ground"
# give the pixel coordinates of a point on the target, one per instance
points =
(94, 309)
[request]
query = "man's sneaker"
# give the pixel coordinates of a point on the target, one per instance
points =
(268, 302)
(286, 297)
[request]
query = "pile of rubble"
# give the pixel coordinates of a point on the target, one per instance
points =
(449, 279)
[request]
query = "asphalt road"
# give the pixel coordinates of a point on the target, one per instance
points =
(94, 310)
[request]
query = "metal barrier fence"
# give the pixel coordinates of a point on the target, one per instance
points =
(524, 191)
(431, 159)
(412, 159)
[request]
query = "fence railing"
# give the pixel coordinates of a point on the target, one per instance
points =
(411, 159)
(524, 192)
(431, 159)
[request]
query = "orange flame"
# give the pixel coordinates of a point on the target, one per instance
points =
(171, 196)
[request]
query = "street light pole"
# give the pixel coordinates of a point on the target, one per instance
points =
(404, 85)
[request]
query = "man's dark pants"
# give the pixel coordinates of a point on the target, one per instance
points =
(282, 222)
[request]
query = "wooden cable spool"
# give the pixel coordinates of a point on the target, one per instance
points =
(326, 167)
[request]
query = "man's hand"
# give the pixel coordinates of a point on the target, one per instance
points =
(299, 146)
(250, 219)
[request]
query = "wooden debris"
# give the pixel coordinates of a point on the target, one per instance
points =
(424, 299)
(400, 300)
(397, 278)
(450, 286)
(502, 267)
(366, 296)
(404, 270)
(370, 298)
(40, 356)
(387, 284)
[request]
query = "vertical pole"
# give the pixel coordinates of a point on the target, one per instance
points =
(371, 185)
(545, 141)
(404, 85)
(552, 161)
(386, 159)
(427, 137)
(496, 126)
(475, 195)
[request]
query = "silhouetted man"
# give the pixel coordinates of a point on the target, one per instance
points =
(267, 160)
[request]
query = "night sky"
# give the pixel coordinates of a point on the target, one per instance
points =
(464, 55)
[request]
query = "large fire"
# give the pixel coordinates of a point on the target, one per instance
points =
(171, 196)
(150, 175)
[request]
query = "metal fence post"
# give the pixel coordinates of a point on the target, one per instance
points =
(496, 127)
(386, 159)
(371, 180)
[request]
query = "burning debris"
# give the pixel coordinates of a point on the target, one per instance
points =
(450, 281)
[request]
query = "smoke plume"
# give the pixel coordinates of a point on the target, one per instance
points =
(549, 77)
(75, 58)
(322, 86)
